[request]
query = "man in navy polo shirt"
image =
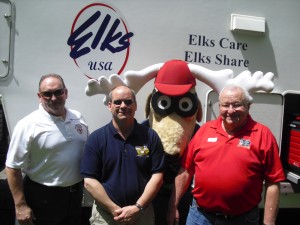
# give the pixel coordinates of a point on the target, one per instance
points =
(122, 165)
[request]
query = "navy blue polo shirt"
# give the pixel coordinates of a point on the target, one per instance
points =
(123, 167)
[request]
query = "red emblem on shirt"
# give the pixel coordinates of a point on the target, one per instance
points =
(244, 143)
(78, 127)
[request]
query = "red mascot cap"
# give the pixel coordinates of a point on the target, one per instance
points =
(174, 78)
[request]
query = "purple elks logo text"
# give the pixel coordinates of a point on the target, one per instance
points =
(99, 41)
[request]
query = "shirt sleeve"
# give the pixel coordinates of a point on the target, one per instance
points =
(273, 168)
(188, 155)
(18, 152)
(91, 161)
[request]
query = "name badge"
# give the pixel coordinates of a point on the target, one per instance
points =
(214, 139)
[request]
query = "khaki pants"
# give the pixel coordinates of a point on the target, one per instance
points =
(102, 217)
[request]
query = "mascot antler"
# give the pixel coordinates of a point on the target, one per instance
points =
(103, 85)
(133, 79)
(256, 82)
(137, 79)
(215, 79)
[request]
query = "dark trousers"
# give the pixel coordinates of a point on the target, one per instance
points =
(161, 204)
(7, 206)
(54, 205)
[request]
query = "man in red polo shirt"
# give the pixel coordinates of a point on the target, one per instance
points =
(230, 158)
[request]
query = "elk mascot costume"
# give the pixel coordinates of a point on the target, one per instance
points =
(173, 110)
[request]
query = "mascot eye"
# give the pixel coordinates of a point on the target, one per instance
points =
(187, 105)
(162, 104)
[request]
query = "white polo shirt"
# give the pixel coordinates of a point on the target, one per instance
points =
(49, 149)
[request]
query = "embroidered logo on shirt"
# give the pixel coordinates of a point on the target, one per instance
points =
(78, 128)
(244, 143)
(212, 139)
(142, 150)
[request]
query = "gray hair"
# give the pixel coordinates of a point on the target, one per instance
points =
(52, 75)
(246, 94)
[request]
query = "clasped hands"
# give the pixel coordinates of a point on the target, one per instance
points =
(126, 215)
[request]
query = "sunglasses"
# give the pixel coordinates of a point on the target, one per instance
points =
(127, 102)
(49, 94)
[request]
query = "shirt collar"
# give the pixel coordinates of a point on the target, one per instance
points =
(51, 117)
(134, 132)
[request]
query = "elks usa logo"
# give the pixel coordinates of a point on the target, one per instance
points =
(79, 128)
(99, 40)
(244, 143)
(142, 151)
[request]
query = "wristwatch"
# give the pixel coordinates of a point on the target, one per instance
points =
(139, 207)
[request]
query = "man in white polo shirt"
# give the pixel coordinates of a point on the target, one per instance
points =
(47, 146)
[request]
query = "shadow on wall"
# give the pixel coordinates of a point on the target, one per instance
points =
(258, 42)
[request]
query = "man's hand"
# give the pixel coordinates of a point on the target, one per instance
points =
(127, 214)
(24, 215)
(173, 216)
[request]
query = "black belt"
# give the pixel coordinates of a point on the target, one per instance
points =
(72, 188)
(214, 214)
(222, 215)
(217, 214)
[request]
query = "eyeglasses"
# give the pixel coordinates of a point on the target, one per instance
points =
(49, 94)
(127, 102)
(235, 106)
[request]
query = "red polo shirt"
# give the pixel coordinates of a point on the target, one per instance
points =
(229, 172)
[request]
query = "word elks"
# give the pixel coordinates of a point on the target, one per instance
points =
(77, 42)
